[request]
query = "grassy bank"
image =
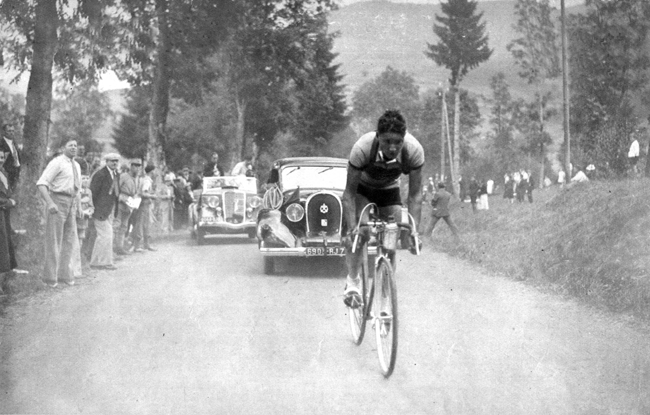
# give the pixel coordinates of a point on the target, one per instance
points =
(590, 242)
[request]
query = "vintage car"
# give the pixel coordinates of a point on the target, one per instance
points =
(226, 205)
(302, 213)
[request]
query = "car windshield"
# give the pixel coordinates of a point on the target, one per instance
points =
(314, 177)
(248, 184)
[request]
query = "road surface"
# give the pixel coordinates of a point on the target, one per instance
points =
(199, 329)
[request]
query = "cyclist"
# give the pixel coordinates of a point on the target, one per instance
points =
(377, 161)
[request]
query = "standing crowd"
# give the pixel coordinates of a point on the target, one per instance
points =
(100, 212)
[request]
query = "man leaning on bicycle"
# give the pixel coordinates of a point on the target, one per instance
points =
(377, 161)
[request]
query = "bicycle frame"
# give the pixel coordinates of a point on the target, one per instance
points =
(379, 302)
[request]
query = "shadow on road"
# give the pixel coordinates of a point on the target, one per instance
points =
(332, 267)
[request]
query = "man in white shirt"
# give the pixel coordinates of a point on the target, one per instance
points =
(59, 186)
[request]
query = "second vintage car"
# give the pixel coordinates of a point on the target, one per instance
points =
(226, 205)
(302, 212)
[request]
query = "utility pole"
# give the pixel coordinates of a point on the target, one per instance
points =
(565, 93)
(442, 136)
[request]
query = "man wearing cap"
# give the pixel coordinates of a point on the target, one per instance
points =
(59, 186)
(141, 233)
(127, 190)
(104, 186)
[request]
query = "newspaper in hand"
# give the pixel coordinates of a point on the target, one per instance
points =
(133, 202)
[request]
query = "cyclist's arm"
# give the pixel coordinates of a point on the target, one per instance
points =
(349, 197)
(415, 196)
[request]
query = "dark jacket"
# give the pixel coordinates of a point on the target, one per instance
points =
(7, 255)
(103, 190)
(440, 203)
(12, 172)
(208, 170)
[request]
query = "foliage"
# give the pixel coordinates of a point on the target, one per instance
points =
(588, 242)
(279, 65)
(609, 61)
(131, 132)
(77, 113)
(462, 44)
(389, 90)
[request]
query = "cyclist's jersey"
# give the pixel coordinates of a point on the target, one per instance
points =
(378, 173)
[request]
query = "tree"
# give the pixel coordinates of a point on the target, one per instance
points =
(391, 89)
(40, 35)
(503, 122)
(77, 114)
(609, 72)
(279, 67)
(131, 133)
(462, 46)
(537, 54)
(168, 44)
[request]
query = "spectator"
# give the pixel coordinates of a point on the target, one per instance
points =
(440, 204)
(243, 167)
(529, 188)
(12, 155)
(580, 176)
(633, 153)
(473, 192)
(212, 168)
(182, 200)
(59, 186)
(561, 178)
(105, 186)
(7, 253)
(85, 210)
(509, 189)
(522, 186)
(166, 197)
(126, 203)
(483, 197)
(142, 232)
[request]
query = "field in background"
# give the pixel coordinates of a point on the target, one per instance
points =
(589, 242)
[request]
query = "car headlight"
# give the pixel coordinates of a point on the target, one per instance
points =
(295, 212)
(213, 201)
(255, 202)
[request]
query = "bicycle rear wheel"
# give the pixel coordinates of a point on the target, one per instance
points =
(385, 316)
(359, 316)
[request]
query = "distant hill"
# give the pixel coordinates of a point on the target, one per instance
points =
(376, 34)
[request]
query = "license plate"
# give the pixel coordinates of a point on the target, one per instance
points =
(325, 251)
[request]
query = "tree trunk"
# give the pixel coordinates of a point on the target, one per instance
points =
(36, 129)
(161, 84)
(239, 146)
(456, 164)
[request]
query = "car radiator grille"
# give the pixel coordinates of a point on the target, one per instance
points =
(234, 206)
(323, 213)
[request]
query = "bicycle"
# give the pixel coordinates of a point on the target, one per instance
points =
(380, 309)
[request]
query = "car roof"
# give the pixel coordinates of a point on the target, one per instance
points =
(310, 161)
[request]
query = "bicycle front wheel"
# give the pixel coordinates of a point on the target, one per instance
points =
(385, 316)
(358, 316)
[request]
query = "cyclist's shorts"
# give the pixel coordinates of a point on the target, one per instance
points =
(381, 197)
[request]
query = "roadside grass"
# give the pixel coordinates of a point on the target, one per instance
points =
(589, 242)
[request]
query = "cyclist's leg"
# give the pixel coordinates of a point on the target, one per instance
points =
(354, 260)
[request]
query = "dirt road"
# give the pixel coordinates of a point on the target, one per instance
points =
(199, 329)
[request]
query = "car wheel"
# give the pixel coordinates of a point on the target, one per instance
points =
(200, 236)
(269, 265)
